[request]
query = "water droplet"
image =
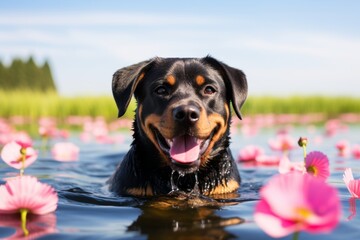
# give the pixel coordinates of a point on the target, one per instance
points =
(174, 187)
(196, 190)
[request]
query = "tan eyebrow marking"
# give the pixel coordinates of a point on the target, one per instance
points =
(200, 80)
(171, 79)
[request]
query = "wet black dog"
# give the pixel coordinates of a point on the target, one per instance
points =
(181, 127)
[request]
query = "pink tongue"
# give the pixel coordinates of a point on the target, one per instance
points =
(185, 149)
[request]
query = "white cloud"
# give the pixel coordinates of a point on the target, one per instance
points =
(304, 60)
(319, 45)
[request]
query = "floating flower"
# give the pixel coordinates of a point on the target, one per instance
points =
(317, 164)
(343, 147)
(65, 151)
(18, 154)
(249, 153)
(352, 185)
(296, 202)
(47, 127)
(97, 130)
(282, 142)
(286, 166)
(267, 160)
(20, 137)
(356, 151)
(250, 130)
(27, 193)
(334, 126)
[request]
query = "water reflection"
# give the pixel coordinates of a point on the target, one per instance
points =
(185, 217)
(37, 225)
(352, 204)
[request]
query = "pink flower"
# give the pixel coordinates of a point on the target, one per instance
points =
(14, 136)
(98, 130)
(47, 127)
(23, 138)
(356, 151)
(267, 160)
(343, 147)
(27, 193)
(250, 129)
(317, 164)
(65, 151)
(334, 126)
(352, 185)
(286, 166)
(297, 202)
(249, 153)
(85, 137)
(282, 143)
(12, 154)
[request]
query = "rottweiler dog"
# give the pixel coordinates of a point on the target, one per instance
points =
(181, 127)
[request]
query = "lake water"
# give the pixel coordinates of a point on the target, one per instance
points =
(87, 210)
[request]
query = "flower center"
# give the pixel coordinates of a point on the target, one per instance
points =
(312, 170)
(23, 151)
(303, 213)
(285, 146)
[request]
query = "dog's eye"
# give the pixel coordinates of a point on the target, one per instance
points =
(161, 90)
(209, 90)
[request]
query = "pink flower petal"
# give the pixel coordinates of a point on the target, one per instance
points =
(348, 176)
(352, 185)
(325, 204)
(249, 153)
(343, 147)
(12, 156)
(282, 142)
(286, 166)
(26, 192)
(273, 225)
(276, 192)
(354, 188)
(297, 202)
(65, 151)
(317, 164)
(356, 151)
(267, 160)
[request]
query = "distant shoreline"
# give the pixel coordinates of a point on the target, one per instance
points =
(49, 104)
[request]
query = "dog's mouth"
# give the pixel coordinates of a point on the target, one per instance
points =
(185, 151)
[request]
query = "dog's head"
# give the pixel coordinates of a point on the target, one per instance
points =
(183, 105)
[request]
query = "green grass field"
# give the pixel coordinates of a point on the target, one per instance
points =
(330, 106)
(35, 105)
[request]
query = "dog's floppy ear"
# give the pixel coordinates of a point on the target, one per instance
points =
(235, 81)
(124, 83)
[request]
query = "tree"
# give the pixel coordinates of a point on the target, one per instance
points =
(47, 76)
(3, 71)
(27, 75)
(17, 75)
(32, 74)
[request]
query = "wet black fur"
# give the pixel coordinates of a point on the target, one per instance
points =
(142, 165)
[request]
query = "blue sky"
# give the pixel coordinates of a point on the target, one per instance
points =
(284, 47)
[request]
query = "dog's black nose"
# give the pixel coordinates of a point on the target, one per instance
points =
(186, 113)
